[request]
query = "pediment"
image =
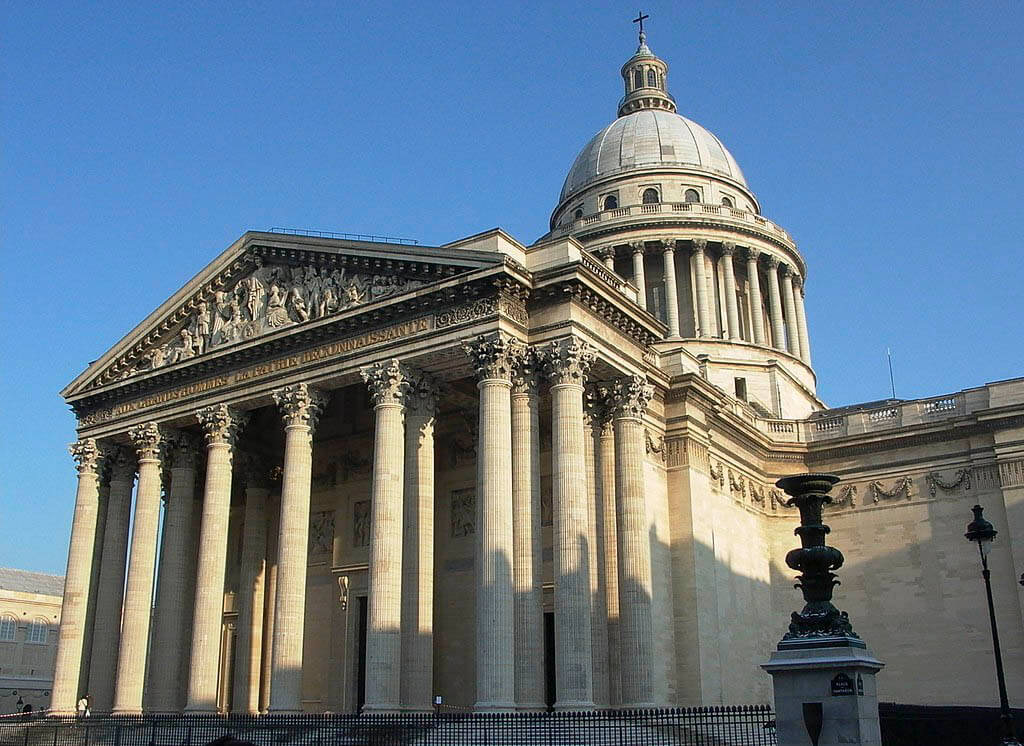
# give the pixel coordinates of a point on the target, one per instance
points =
(265, 288)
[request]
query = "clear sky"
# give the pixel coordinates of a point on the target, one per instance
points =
(139, 142)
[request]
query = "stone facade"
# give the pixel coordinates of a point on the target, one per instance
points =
(384, 464)
(30, 617)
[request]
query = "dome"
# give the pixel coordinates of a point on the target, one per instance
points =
(645, 139)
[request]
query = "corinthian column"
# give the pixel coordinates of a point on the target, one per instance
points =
(671, 295)
(754, 281)
(593, 414)
(495, 358)
(792, 332)
(138, 594)
(729, 275)
(527, 563)
(607, 255)
(775, 304)
(638, 273)
(249, 642)
(700, 279)
(636, 632)
(300, 407)
(801, 320)
(567, 362)
(388, 383)
(418, 546)
(74, 604)
(173, 602)
(107, 635)
(610, 551)
(221, 425)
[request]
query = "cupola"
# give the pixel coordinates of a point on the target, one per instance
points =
(645, 76)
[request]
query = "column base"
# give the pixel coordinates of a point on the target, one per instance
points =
(494, 707)
(383, 708)
(200, 711)
(635, 706)
(532, 707)
(124, 711)
(572, 706)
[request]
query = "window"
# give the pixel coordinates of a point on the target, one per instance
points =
(38, 631)
(650, 197)
(727, 202)
(691, 195)
(741, 388)
(611, 202)
(638, 80)
(8, 626)
(578, 214)
(652, 79)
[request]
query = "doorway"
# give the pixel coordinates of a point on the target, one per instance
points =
(361, 674)
(549, 660)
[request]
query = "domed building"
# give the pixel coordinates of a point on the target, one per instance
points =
(518, 476)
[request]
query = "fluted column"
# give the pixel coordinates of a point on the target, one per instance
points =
(608, 523)
(89, 629)
(107, 635)
(638, 273)
(74, 605)
(269, 599)
(527, 562)
(789, 306)
(593, 413)
(775, 304)
(756, 304)
(495, 357)
(732, 313)
(252, 576)
(567, 363)
(671, 294)
(607, 254)
(801, 320)
(170, 625)
(636, 632)
(418, 546)
(300, 407)
(388, 383)
(700, 279)
(221, 425)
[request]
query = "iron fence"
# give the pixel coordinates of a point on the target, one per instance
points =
(702, 726)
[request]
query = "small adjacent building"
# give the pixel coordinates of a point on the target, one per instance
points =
(29, 623)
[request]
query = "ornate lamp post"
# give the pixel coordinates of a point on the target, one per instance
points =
(979, 530)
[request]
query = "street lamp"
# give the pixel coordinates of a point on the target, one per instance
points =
(981, 531)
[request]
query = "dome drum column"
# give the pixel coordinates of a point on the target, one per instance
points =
(789, 304)
(671, 294)
(729, 274)
(638, 273)
(754, 282)
(701, 282)
(801, 319)
(775, 304)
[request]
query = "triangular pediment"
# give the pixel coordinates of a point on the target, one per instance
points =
(267, 283)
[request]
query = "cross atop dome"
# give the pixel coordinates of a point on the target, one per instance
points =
(641, 17)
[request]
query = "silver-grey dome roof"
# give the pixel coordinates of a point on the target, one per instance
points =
(649, 138)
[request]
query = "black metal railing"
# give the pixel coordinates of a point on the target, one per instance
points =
(347, 236)
(702, 726)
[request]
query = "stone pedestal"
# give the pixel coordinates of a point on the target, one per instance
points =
(835, 673)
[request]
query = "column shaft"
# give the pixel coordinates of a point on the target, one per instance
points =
(638, 274)
(756, 304)
(775, 305)
(729, 276)
(170, 641)
(249, 641)
(789, 305)
(700, 279)
(269, 599)
(300, 407)
(598, 583)
(94, 585)
(801, 324)
(417, 679)
(107, 635)
(74, 605)
(606, 466)
(527, 562)
(671, 294)
(636, 633)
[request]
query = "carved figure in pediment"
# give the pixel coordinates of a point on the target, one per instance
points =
(252, 291)
(298, 304)
(277, 314)
(201, 327)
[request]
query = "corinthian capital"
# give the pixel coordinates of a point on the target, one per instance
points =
(605, 252)
(122, 464)
(598, 405)
(183, 450)
(495, 355)
(637, 247)
(699, 245)
(147, 439)
(221, 423)
(87, 455)
(300, 404)
(772, 261)
(631, 395)
(387, 380)
(527, 375)
(668, 244)
(728, 248)
(421, 398)
(751, 254)
(568, 361)
(788, 271)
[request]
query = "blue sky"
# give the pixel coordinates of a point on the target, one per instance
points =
(139, 142)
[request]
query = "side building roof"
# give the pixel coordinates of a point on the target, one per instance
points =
(23, 581)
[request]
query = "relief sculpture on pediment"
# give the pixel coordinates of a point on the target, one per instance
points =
(271, 297)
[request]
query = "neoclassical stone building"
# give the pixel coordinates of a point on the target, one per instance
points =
(516, 476)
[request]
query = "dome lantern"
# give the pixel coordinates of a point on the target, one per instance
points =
(645, 76)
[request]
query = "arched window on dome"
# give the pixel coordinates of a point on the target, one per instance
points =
(652, 79)
(38, 631)
(8, 627)
(611, 202)
(577, 213)
(727, 202)
(650, 196)
(638, 79)
(691, 195)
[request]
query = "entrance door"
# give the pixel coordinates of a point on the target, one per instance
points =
(361, 675)
(549, 659)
